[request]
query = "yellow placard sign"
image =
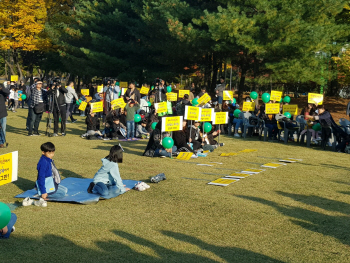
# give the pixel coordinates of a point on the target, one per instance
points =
(88, 98)
(227, 95)
(85, 92)
(6, 168)
(207, 114)
(315, 98)
(223, 181)
(144, 90)
(14, 77)
(182, 93)
(272, 108)
(276, 95)
(118, 103)
(248, 106)
(184, 156)
(273, 164)
(204, 99)
(161, 107)
(172, 123)
(82, 106)
(292, 109)
(171, 96)
(123, 91)
(123, 84)
(248, 151)
(99, 88)
(221, 118)
(192, 113)
(97, 106)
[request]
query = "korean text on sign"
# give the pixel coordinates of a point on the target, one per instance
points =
(172, 123)
(272, 108)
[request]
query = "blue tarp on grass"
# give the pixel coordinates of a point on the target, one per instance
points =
(77, 191)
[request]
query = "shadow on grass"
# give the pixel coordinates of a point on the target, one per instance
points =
(25, 184)
(68, 173)
(20, 249)
(230, 254)
(334, 226)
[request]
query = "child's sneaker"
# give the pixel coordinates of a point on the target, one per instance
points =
(158, 178)
(145, 185)
(27, 201)
(13, 229)
(140, 187)
(41, 203)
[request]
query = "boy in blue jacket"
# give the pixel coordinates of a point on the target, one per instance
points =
(46, 168)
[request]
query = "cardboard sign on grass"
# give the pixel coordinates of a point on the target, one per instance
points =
(97, 106)
(207, 114)
(272, 108)
(315, 98)
(184, 156)
(204, 99)
(223, 181)
(9, 167)
(248, 106)
(228, 154)
(85, 92)
(276, 95)
(292, 109)
(220, 118)
(192, 113)
(182, 93)
(273, 165)
(227, 95)
(248, 151)
(238, 175)
(252, 171)
(82, 106)
(172, 123)
(144, 90)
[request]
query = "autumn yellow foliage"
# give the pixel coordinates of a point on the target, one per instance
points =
(22, 23)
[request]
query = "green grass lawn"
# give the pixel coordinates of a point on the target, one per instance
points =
(296, 213)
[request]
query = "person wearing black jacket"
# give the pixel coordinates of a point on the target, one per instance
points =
(132, 93)
(181, 139)
(57, 98)
(3, 116)
(92, 125)
(195, 136)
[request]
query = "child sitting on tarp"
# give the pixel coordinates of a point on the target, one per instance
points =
(195, 137)
(141, 131)
(107, 181)
(49, 179)
(93, 126)
(117, 130)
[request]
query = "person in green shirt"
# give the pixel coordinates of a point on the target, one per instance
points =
(131, 108)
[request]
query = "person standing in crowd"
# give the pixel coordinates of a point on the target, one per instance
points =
(219, 91)
(38, 101)
(30, 109)
(22, 88)
(4, 92)
(59, 108)
(111, 93)
(132, 93)
(70, 95)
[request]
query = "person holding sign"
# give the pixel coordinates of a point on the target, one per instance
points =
(70, 95)
(219, 90)
(131, 110)
(270, 123)
(133, 93)
(181, 138)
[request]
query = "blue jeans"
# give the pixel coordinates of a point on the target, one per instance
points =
(163, 152)
(239, 123)
(30, 110)
(3, 132)
(9, 226)
(106, 191)
(60, 193)
(220, 99)
(273, 129)
(130, 125)
(69, 112)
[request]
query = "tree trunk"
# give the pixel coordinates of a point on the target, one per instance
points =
(214, 72)
(242, 81)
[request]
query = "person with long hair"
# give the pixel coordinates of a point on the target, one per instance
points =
(107, 181)
(181, 138)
